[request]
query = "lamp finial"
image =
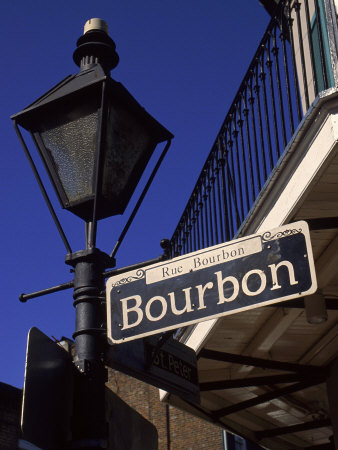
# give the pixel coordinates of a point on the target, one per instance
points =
(95, 46)
(95, 24)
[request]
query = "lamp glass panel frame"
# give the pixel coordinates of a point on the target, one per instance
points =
(119, 136)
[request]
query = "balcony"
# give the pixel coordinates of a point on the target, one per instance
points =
(291, 70)
(274, 161)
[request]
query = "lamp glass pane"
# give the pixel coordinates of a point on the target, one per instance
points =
(72, 149)
(127, 144)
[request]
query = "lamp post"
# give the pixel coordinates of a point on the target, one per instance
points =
(95, 141)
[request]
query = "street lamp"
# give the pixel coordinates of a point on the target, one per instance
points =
(95, 141)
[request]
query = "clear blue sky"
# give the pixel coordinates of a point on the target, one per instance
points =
(183, 60)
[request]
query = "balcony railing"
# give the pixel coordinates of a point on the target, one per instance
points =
(295, 60)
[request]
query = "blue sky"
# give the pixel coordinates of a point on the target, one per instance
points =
(183, 61)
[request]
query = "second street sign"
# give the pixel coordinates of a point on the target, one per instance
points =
(172, 366)
(253, 271)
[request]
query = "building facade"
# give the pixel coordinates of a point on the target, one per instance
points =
(176, 429)
(267, 372)
(10, 409)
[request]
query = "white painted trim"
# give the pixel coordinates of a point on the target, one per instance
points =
(303, 176)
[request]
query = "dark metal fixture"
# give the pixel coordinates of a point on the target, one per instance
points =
(315, 308)
(93, 137)
(95, 141)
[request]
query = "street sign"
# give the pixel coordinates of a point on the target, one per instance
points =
(171, 367)
(47, 394)
(242, 274)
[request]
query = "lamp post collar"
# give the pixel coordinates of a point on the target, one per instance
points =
(91, 255)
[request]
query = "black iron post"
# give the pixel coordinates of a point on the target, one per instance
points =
(89, 427)
(95, 141)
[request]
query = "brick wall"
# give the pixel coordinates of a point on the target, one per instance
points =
(10, 410)
(186, 432)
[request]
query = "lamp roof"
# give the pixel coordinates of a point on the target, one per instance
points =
(68, 86)
(85, 81)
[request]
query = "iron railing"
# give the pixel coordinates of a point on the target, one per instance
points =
(293, 63)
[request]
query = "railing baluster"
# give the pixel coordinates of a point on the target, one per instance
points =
(283, 37)
(214, 207)
(260, 121)
(262, 77)
(294, 67)
(229, 218)
(190, 230)
(194, 221)
(238, 165)
(233, 191)
(186, 234)
(244, 180)
(275, 52)
(230, 142)
(173, 243)
(224, 195)
(210, 221)
(200, 206)
(184, 242)
(197, 221)
(231, 175)
(221, 216)
(183, 236)
(172, 247)
(246, 120)
(272, 95)
(253, 126)
(205, 202)
(179, 247)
